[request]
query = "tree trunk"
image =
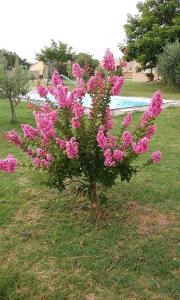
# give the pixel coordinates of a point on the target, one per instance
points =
(13, 114)
(95, 201)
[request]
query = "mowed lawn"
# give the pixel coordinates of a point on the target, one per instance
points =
(52, 248)
(146, 89)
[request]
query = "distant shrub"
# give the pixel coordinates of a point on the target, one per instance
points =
(169, 64)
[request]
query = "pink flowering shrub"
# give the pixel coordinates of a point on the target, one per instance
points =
(68, 143)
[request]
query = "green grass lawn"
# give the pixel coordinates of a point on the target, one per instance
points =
(146, 89)
(130, 254)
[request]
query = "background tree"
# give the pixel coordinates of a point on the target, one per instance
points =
(157, 23)
(87, 62)
(56, 56)
(12, 57)
(13, 83)
(169, 64)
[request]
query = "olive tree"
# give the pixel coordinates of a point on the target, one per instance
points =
(13, 83)
(169, 64)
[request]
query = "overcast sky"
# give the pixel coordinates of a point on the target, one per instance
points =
(87, 25)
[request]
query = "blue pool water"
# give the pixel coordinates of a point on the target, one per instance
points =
(117, 102)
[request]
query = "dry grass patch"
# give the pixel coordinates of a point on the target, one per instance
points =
(147, 218)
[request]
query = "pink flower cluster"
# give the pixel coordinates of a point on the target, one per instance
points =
(104, 141)
(141, 146)
(9, 164)
(112, 157)
(56, 79)
(118, 82)
(151, 131)
(45, 124)
(40, 163)
(75, 122)
(76, 71)
(108, 162)
(61, 95)
(108, 61)
(13, 137)
(118, 155)
(109, 121)
(156, 157)
(101, 138)
(107, 144)
(80, 91)
(126, 139)
(95, 82)
(43, 160)
(72, 148)
(127, 120)
(61, 143)
(156, 104)
(29, 132)
(42, 91)
(78, 110)
(154, 110)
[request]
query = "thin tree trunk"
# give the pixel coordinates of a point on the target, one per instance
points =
(96, 205)
(13, 114)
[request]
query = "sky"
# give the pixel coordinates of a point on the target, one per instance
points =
(89, 26)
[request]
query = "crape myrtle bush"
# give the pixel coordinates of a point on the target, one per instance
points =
(72, 146)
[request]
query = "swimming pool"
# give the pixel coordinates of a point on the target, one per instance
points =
(117, 102)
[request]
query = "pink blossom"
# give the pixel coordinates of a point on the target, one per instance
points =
(45, 124)
(75, 123)
(80, 91)
(44, 162)
(156, 104)
(49, 157)
(45, 108)
(56, 79)
(36, 162)
(118, 155)
(95, 82)
(127, 120)
(101, 138)
(76, 71)
(112, 141)
(29, 132)
(117, 85)
(72, 148)
(61, 95)
(78, 110)
(9, 164)
(41, 152)
(108, 61)
(156, 157)
(141, 146)
(145, 118)
(13, 137)
(42, 91)
(61, 143)
(151, 131)
(126, 138)
(109, 121)
(108, 162)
